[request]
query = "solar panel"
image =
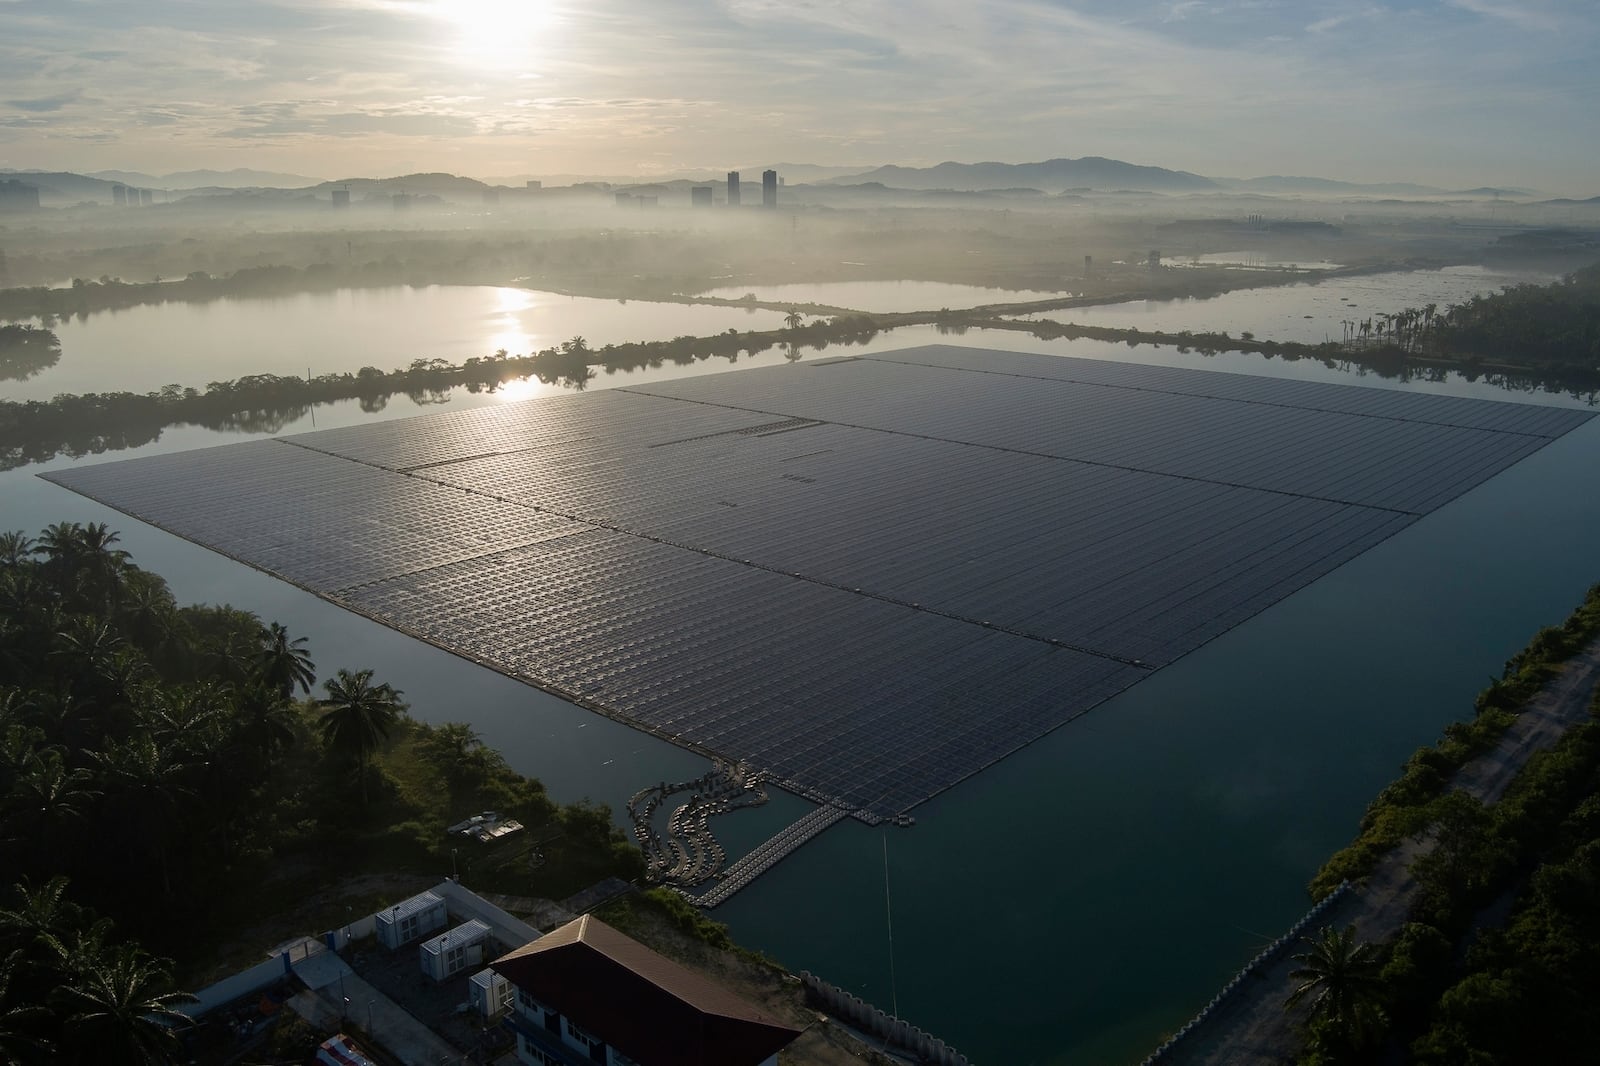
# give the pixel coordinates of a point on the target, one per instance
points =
(872, 576)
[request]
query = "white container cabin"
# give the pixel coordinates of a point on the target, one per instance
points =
(404, 922)
(450, 953)
(491, 994)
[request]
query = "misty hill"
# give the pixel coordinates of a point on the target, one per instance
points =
(444, 186)
(237, 178)
(1278, 183)
(1310, 186)
(1052, 175)
(61, 187)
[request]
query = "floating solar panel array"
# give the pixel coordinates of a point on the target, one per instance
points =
(871, 576)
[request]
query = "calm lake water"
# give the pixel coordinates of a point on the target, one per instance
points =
(1089, 893)
(140, 349)
(885, 297)
(1309, 313)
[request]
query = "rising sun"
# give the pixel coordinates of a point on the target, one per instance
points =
(499, 34)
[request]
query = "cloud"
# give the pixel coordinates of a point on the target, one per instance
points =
(1213, 86)
(47, 103)
(1528, 16)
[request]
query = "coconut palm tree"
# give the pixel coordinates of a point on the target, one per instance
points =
(1339, 976)
(793, 318)
(357, 716)
(117, 1009)
(284, 663)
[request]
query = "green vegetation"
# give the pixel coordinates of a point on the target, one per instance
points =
(1499, 961)
(27, 350)
(70, 994)
(93, 423)
(1404, 808)
(154, 763)
(1549, 329)
(1339, 977)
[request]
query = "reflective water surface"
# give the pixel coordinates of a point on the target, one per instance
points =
(141, 349)
(1309, 312)
(882, 296)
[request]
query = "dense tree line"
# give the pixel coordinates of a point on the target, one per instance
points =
(1500, 961)
(162, 766)
(86, 295)
(93, 423)
(26, 350)
(1551, 329)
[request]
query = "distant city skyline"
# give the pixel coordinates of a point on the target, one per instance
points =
(1453, 93)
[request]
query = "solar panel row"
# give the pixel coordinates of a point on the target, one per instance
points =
(871, 577)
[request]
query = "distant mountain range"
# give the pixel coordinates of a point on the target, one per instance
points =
(1301, 185)
(834, 184)
(238, 178)
(1052, 175)
(792, 173)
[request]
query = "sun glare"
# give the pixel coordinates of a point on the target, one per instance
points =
(500, 34)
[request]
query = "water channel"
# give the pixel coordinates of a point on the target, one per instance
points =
(1089, 893)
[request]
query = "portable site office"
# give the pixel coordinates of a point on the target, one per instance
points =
(491, 995)
(449, 953)
(404, 922)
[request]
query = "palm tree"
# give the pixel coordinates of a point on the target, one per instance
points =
(1340, 977)
(263, 723)
(793, 318)
(357, 716)
(148, 610)
(145, 782)
(81, 558)
(19, 1019)
(48, 797)
(284, 663)
(116, 1009)
(15, 549)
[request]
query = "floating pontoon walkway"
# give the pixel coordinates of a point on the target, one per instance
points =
(768, 854)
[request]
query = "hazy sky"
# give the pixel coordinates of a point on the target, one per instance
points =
(1452, 92)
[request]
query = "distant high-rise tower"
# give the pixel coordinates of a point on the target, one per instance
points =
(733, 188)
(700, 196)
(119, 195)
(341, 198)
(147, 197)
(769, 188)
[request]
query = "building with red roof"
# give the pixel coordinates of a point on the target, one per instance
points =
(586, 995)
